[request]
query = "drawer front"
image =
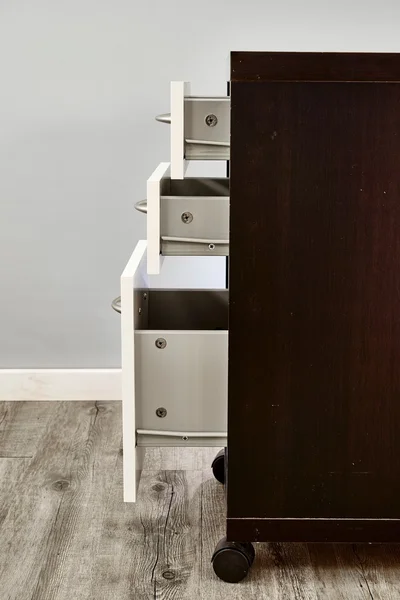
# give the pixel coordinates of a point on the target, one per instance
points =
(155, 184)
(188, 217)
(133, 306)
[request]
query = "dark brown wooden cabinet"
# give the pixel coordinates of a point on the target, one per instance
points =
(314, 316)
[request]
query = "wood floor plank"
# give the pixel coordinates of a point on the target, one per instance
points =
(336, 573)
(179, 459)
(26, 529)
(11, 472)
(121, 535)
(379, 568)
(175, 574)
(22, 425)
(283, 572)
(68, 570)
(152, 548)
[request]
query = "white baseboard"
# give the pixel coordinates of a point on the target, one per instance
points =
(60, 384)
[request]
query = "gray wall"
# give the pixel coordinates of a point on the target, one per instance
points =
(81, 81)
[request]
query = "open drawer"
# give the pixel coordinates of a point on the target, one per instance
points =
(185, 217)
(174, 367)
(200, 127)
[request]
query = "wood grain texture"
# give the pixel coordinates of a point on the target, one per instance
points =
(314, 66)
(65, 531)
(175, 571)
(314, 307)
(74, 538)
(11, 472)
(379, 566)
(31, 546)
(22, 426)
(180, 458)
(341, 530)
(153, 548)
(336, 573)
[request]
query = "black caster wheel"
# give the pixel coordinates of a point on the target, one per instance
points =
(232, 560)
(218, 466)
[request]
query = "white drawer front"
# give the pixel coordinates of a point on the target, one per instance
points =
(154, 187)
(133, 311)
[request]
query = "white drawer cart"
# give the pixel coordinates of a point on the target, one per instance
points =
(175, 342)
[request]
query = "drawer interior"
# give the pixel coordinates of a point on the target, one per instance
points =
(195, 186)
(171, 309)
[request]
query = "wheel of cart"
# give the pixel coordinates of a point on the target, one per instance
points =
(218, 466)
(231, 560)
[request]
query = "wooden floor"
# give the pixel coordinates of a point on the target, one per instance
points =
(65, 533)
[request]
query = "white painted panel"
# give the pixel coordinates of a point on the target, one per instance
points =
(154, 258)
(133, 284)
(179, 89)
(188, 377)
(60, 384)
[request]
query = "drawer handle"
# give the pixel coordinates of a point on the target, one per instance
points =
(116, 304)
(166, 118)
(141, 206)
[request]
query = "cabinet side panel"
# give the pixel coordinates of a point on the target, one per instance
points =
(314, 343)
